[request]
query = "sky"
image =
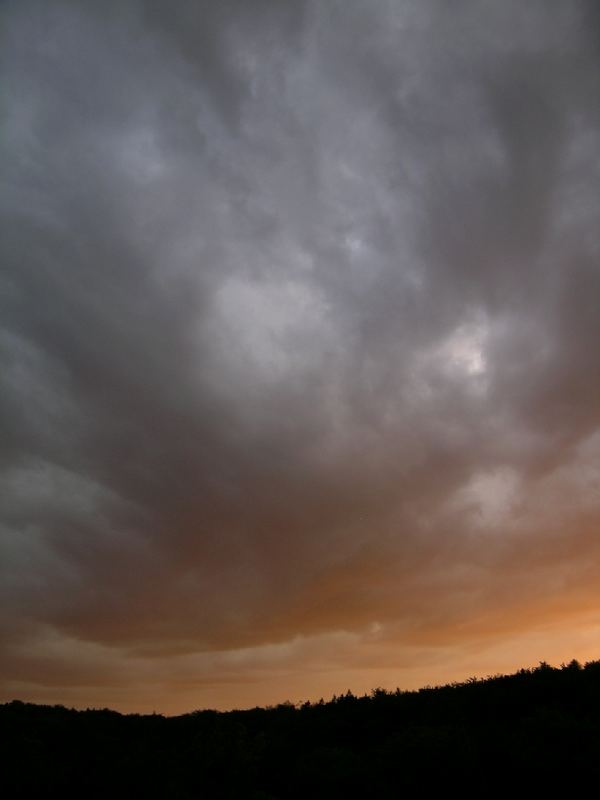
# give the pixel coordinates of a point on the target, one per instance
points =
(299, 346)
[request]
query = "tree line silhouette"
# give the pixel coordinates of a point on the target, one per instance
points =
(537, 730)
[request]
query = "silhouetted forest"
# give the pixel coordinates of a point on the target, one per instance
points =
(537, 729)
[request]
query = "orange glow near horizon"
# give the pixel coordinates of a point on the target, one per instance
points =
(313, 670)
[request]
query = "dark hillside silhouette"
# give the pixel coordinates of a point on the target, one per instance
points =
(534, 730)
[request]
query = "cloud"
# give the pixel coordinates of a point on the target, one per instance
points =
(298, 328)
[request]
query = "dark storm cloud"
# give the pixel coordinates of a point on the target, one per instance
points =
(299, 321)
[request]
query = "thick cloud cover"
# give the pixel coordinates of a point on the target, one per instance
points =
(299, 326)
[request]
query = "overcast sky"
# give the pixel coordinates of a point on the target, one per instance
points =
(299, 346)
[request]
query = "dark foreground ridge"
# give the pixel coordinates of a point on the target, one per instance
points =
(538, 728)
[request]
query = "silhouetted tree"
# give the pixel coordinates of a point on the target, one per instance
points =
(534, 729)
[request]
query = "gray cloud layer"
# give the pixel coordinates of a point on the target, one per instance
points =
(299, 326)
